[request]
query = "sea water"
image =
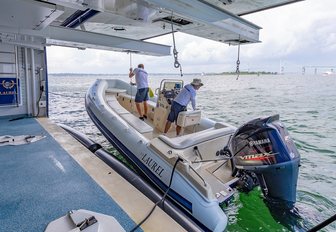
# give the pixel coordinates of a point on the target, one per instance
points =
(306, 105)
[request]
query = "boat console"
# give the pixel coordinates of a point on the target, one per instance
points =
(166, 93)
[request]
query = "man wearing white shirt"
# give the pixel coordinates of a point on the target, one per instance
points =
(187, 94)
(141, 80)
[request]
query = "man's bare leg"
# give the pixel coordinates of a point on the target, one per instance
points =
(178, 130)
(168, 124)
(138, 108)
(145, 108)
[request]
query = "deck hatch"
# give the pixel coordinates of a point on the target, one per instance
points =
(174, 20)
(78, 18)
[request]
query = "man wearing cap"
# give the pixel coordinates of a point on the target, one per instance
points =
(187, 94)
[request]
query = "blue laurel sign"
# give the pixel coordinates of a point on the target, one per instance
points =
(9, 91)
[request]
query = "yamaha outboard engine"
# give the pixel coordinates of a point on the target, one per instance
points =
(264, 147)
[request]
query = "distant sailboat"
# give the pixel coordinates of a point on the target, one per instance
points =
(281, 68)
(328, 73)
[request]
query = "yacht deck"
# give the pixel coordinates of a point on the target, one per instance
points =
(42, 181)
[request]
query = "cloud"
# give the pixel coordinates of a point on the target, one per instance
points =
(293, 35)
(61, 60)
(300, 34)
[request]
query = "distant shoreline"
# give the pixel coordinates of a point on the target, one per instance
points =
(154, 74)
(245, 73)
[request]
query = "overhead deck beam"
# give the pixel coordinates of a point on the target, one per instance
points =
(209, 14)
(82, 39)
(148, 19)
(281, 3)
(59, 35)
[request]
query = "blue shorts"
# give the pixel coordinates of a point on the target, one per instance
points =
(174, 111)
(141, 95)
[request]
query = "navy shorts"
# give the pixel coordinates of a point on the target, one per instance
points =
(174, 111)
(141, 95)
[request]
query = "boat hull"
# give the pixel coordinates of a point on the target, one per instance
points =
(135, 148)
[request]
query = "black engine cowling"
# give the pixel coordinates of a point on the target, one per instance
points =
(263, 146)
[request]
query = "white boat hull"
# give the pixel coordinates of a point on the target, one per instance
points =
(140, 151)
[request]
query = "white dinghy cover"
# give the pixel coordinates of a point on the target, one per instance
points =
(19, 139)
(86, 221)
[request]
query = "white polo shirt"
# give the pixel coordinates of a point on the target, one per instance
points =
(187, 94)
(141, 78)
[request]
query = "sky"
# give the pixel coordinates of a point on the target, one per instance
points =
(292, 36)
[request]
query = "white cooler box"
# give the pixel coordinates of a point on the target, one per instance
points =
(189, 118)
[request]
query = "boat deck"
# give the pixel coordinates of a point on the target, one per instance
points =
(129, 113)
(215, 171)
(42, 181)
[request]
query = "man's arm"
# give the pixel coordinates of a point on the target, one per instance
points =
(193, 99)
(131, 73)
(193, 102)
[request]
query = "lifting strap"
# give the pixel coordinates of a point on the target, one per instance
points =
(131, 81)
(176, 62)
(238, 61)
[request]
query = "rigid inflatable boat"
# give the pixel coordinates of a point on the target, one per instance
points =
(203, 167)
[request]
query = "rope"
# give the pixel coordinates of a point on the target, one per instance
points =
(130, 59)
(238, 61)
(162, 199)
(176, 62)
(131, 82)
(323, 224)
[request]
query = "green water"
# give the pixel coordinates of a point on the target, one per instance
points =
(248, 212)
(307, 107)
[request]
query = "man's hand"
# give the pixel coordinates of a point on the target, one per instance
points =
(131, 74)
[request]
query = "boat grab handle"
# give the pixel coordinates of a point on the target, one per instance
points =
(211, 160)
(205, 184)
(197, 152)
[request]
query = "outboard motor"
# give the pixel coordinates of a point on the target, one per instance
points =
(264, 147)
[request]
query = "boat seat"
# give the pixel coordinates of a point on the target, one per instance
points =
(115, 91)
(132, 120)
(110, 97)
(193, 139)
(127, 96)
(113, 103)
(137, 123)
(115, 106)
(188, 118)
